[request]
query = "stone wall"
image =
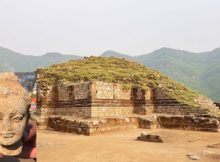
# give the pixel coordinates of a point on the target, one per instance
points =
(163, 104)
(71, 92)
(91, 126)
(142, 101)
(63, 93)
(160, 95)
(65, 99)
(103, 100)
(45, 94)
(189, 122)
(112, 99)
(112, 111)
(104, 90)
(177, 109)
(82, 91)
(73, 111)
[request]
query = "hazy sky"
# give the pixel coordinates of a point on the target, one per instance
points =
(85, 27)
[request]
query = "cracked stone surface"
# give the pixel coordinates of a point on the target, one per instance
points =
(14, 103)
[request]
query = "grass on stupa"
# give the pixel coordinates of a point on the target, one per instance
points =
(116, 70)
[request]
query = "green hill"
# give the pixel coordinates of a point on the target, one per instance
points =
(16, 62)
(116, 54)
(199, 71)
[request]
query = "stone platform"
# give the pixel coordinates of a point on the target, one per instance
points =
(91, 126)
(189, 122)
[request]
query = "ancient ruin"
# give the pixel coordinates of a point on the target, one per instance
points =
(96, 95)
(150, 138)
(14, 103)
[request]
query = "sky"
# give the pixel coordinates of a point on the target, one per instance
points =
(90, 27)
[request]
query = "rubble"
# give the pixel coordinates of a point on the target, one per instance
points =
(150, 138)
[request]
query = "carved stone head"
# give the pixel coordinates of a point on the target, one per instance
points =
(14, 104)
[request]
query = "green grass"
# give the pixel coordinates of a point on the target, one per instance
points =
(116, 70)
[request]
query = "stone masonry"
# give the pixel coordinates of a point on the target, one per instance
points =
(97, 99)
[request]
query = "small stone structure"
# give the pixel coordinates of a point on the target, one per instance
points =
(60, 104)
(150, 138)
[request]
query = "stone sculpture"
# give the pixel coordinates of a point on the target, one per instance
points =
(14, 105)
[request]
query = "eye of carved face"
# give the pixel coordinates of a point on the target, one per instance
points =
(17, 117)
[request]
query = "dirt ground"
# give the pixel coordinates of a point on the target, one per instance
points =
(123, 147)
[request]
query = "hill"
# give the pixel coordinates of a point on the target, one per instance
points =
(16, 62)
(116, 54)
(199, 71)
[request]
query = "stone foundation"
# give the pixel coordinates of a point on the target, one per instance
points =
(75, 111)
(91, 126)
(189, 122)
(97, 99)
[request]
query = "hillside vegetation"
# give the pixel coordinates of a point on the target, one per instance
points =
(16, 62)
(116, 70)
(199, 71)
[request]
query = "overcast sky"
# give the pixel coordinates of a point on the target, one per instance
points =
(90, 27)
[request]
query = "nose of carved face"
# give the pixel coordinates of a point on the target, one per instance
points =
(6, 127)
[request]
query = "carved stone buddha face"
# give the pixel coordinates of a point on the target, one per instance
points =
(14, 103)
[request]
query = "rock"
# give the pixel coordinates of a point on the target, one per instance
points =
(95, 122)
(127, 120)
(193, 157)
(143, 134)
(214, 146)
(150, 138)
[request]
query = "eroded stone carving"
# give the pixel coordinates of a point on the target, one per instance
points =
(14, 104)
